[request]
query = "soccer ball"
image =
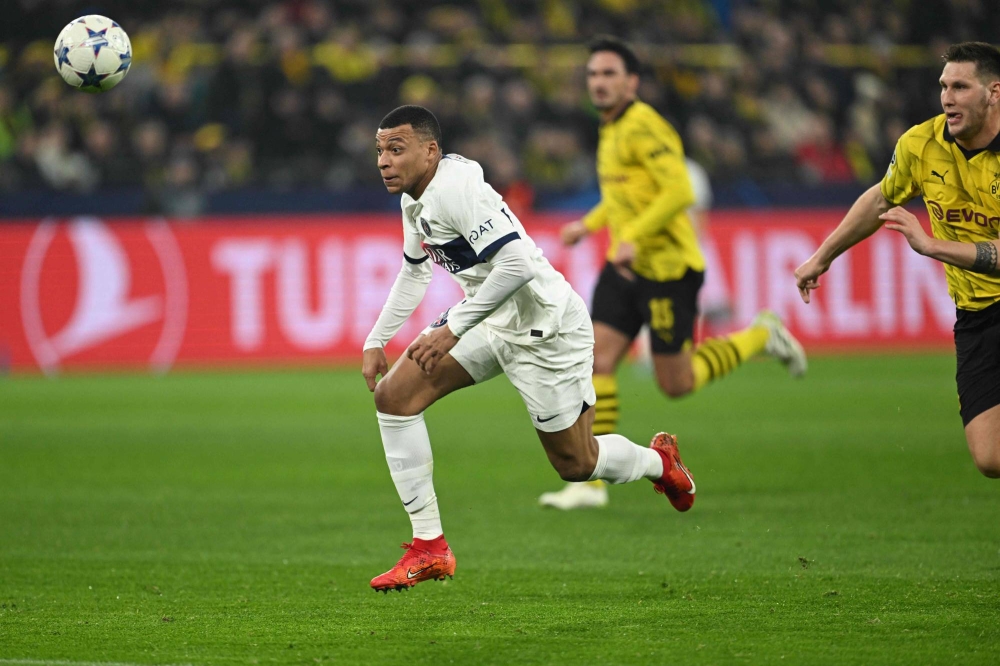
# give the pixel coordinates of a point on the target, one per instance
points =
(93, 53)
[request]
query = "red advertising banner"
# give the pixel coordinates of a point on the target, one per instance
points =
(103, 293)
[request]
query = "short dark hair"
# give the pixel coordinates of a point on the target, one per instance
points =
(986, 57)
(615, 45)
(424, 124)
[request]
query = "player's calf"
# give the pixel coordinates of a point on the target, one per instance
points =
(572, 452)
(573, 469)
(615, 459)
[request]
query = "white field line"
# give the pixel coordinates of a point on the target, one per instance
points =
(59, 662)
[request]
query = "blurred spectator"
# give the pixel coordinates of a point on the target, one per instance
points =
(182, 195)
(109, 158)
(822, 159)
(553, 157)
(61, 167)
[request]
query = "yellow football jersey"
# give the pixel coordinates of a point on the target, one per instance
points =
(645, 194)
(962, 195)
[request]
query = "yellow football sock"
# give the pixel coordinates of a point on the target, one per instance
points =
(717, 357)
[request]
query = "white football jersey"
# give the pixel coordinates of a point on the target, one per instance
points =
(458, 222)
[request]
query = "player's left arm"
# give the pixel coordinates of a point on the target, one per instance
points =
(663, 158)
(978, 257)
(511, 269)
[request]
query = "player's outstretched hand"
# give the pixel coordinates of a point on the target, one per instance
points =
(901, 220)
(428, 350)
(573, 233)
(807, 276)
(373, 364)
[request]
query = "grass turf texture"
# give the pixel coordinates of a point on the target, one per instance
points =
(212, 518)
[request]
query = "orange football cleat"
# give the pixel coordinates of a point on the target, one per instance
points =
(424, 560)
(676, 483)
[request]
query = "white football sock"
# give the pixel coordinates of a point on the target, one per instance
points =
(621, 461)
(411, 465)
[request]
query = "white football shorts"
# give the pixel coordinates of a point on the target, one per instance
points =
(553, 376)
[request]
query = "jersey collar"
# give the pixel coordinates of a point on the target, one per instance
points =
(622, 112)
(994, 145)
(412, 207)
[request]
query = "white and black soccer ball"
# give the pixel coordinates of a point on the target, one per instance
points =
(93, 54)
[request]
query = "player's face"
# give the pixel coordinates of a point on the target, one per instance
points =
(964, 98)
(608, 83)
(403, 158)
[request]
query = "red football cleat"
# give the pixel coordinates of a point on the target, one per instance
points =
(424, 560)
(676, 483)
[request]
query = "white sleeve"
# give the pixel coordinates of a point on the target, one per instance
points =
(404, 297)
(412, 250)
(474, 210)
(512, 268)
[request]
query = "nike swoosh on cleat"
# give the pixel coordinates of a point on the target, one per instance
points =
(541, 420)
(411, 574)
(411, 501)
(688, 475)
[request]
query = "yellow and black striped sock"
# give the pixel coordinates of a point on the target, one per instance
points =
(717, 357)
(606, 408)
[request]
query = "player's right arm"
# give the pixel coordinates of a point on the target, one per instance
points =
(897, 187)
(861, 221)
(573, 232)
(406, 294)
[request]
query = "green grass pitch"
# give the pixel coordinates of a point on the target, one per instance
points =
(236, 518)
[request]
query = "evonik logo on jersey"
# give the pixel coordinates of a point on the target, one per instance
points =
(967, 213)
(123, 282)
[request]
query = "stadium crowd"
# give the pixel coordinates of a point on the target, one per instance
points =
(229, 95)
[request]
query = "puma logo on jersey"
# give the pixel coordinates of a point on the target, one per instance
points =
(935, 173)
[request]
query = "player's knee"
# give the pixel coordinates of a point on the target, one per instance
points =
(984, 446)
(384, 398)
(676, 387)
(987, 458)
(390, 401)
(674, 391)
(991, 470)
(989, 467)
(604, 364)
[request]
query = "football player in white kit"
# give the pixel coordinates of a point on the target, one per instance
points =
(519, 317)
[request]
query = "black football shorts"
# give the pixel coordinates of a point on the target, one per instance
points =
(670, 308)
(977, 351)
